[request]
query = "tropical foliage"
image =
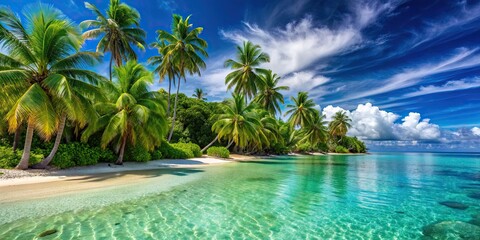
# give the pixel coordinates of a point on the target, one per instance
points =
(118, 29)
(42, 76)
(49, 90)
(269, 96)
(245, 79)
(199, 94)
(132, 113)
(184, 49)
(302, 111)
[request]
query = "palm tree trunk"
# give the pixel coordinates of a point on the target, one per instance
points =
(16, 138)
(110, 67)
(122, 151)
(210, 144)
(230, 144)
(174, 111)
(169, 90)
(23, 164)
(58, 139)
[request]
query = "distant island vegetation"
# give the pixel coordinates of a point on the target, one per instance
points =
(57, 112)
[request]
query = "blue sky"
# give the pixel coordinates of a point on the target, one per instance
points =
(407, 72)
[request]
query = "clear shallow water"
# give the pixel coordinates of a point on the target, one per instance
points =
(378, 196)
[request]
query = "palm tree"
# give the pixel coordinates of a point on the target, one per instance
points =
(238, 123)
(268, 133)
(41, 75)
(184, 48)
(165, 69)
(315, 131)
(268, 95)
(246, 75)
(199, 94)
(302, 111)
(132, 113)
(118, 29)
(339, 125)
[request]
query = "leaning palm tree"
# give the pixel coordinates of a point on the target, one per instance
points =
(117, 30)
(302, 111)
(339, 125)
(165, 69)
(269, 95)
(315, 131)
(132, 112)
(238, 123)
(245, 78)
(199, 94)
(185, 49)
(42, 75)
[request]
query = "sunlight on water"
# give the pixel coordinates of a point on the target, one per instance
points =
(379, 196)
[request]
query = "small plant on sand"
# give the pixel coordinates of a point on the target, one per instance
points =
(218, 152)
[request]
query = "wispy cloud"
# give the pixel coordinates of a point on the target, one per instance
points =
(297, 80)
(168, 5)
(447, 27)
(463, 58)
(447, 87)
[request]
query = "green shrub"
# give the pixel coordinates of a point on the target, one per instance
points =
(194, 148)
(218, 152)
(10, 159)
(137, 154)
(79, 154)
(341, 149)
(175, 151)
(303, 148)
(106, 155)
(157, 154)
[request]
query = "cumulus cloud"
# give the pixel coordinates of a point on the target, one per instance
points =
(476, 131)
(415, 128)
(330, 110)
(371, 123)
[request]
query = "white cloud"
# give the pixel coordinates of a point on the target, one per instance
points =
(464, 58)
(371, 123)
(447, 87)
(305, 81)
(329, 111)
(300, 44)
(476, 131)
(415, 128)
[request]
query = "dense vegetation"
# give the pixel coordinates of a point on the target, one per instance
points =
(48, 91)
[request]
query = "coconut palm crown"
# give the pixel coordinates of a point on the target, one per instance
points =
(245, 78)
(340, 124)
(118, 29)
(269, 96)
(199, 94)
(302, 111)
(239, 122)
(132, 114)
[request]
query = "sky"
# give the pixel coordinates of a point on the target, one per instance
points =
(406, 72)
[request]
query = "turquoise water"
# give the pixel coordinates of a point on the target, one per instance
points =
(378, 196)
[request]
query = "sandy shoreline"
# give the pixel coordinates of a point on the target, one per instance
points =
(32, 176)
